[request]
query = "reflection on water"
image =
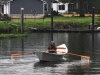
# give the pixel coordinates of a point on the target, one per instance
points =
(28, 64)
(61, 68)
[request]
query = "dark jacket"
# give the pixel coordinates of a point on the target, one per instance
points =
(52, 47)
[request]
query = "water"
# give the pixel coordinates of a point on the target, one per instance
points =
(28, 64)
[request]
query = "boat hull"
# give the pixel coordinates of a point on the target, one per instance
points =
(45, 56)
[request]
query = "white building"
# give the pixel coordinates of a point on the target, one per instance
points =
(60, 7)
(64, 7)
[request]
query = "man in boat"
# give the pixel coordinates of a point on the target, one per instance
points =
(52, 47)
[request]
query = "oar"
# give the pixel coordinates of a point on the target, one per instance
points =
(23, 53)
(63, 46)
(26, 53)
(82, 56)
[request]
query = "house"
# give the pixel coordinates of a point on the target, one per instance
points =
(64, 7)
(32, 8)
(60, 7)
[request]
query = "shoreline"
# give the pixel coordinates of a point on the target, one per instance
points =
(6, 36)
(64, 30)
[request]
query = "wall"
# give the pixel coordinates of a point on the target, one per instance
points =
(55, 7)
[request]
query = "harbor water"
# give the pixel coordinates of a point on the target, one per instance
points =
(27, 63)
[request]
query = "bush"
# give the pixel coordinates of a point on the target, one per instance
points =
(5, 17)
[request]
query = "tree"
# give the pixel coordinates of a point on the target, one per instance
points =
(82, 7)
(81, 4)
(96, 4)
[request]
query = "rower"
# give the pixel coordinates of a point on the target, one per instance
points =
(52, 47)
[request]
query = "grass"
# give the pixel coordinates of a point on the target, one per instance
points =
(61, 18)
(46, 23)
(47, 20)
(42, 24)
(3, 36)
(75, 19)
(58, 19)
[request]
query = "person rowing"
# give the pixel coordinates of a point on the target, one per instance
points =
(52, 47)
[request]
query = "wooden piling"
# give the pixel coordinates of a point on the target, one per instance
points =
(22, 20)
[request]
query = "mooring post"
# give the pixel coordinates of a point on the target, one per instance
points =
(92, 18)
(51, 21)
(93, 32)
(22, 20)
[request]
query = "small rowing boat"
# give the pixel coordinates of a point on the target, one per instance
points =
(57, 56)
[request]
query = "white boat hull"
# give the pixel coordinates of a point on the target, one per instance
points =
(58, 56)
(44, 56)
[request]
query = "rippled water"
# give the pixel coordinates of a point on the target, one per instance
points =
(29, 64)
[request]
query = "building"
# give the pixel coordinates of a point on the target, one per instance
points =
(60, 7)
(32, 8)
(64, 7)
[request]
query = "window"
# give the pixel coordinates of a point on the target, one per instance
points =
(45, 7)
(71, 7)
(61, 7)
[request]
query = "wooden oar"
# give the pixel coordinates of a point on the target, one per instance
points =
(82, 56)
(23, 53)
(26, 53)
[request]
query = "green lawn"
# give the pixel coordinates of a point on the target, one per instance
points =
(47, 21)
(61, 19)
(59, 22)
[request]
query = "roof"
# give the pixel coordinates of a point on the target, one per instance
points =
(5, 1)
(55, 2)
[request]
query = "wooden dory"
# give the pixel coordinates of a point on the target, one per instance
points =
(58, 56)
